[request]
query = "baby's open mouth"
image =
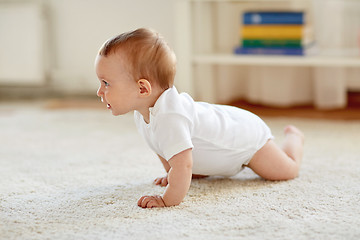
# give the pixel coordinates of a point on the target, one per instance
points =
(108, 106)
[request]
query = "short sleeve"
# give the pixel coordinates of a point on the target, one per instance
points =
(173, 132)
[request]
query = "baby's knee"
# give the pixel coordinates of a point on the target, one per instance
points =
(291, 173)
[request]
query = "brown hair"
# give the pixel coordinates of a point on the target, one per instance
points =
(147, 53)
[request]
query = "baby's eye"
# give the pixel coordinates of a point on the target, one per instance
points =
(105, 83)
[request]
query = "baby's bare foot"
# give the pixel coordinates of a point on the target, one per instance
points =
(291, 129)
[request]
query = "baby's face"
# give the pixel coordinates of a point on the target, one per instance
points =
(117, 88)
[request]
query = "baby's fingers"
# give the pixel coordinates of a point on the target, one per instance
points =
(150, 202)
(158, 181)
(141, 201)
(162, 181)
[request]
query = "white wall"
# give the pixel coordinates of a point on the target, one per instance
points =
(21, 64)
(77, 28)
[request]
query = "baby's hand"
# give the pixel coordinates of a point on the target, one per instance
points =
(151, 201)
(162, 181)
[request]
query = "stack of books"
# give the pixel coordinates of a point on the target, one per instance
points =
(274, 33)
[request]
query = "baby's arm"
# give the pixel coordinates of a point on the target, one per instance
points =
(179, 179)
(165, 163)
(163, 181)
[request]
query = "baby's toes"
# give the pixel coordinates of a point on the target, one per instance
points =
(291, 129)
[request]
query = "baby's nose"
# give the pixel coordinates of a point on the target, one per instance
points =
(99, 92)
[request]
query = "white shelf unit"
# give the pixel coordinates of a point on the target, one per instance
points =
(254, 60)
(207, 32)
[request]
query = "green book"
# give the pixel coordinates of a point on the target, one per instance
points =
(291, 43)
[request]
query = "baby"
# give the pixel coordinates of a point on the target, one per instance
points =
(192, 139)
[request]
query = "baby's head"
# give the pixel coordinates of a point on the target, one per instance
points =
(146, 55)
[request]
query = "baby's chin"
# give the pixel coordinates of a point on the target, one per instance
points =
(116, 113)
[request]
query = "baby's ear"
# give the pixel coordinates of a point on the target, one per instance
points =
(144, 87)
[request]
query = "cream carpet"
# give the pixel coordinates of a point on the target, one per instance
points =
(77, 174)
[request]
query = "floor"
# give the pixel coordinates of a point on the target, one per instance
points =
(78, 173)
(71, 174)
(351, 112)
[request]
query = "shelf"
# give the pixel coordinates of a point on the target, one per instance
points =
(248, 1)
(309, 61)
(207, 30)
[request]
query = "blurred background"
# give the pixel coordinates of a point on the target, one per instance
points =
(47, 49)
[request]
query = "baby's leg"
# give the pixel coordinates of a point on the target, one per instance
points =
(274, 163)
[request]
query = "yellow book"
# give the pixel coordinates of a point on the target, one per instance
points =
(272, 32)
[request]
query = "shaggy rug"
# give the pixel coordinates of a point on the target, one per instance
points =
(78, 173)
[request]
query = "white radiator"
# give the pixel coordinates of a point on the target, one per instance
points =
(21, 43)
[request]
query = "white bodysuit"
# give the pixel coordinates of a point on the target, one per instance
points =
(223, 138)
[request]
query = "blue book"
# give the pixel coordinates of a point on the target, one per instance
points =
(270, 51)
(294, 18)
